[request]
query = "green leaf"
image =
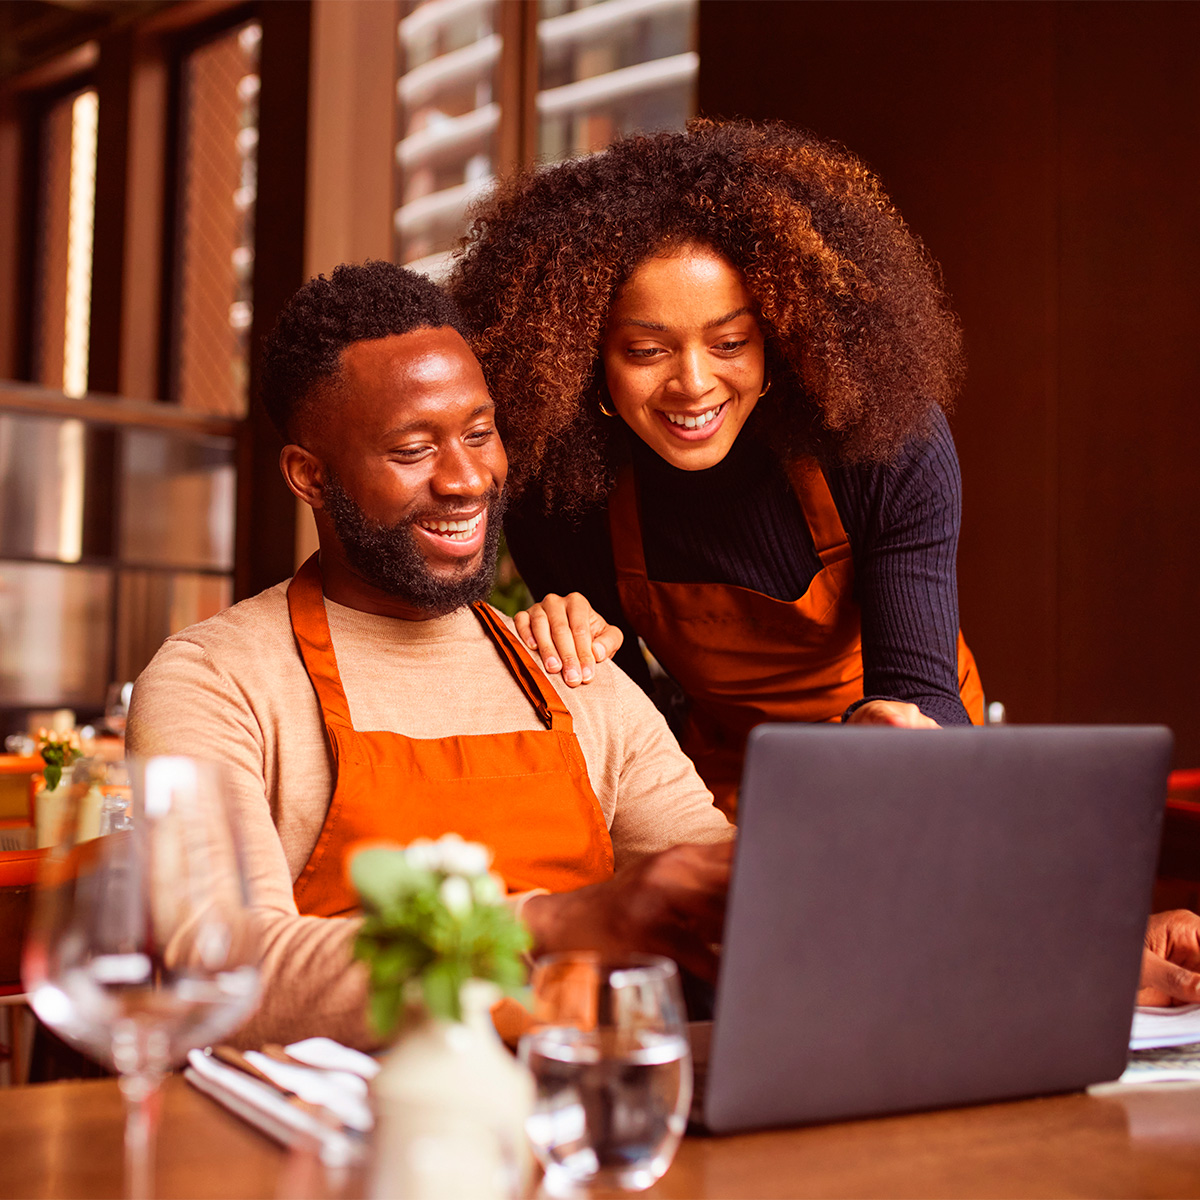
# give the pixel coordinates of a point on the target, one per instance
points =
(383, 1009)
(415, 947)
(395, 962)
(382, 876)
(52, 775)
(440, 985)
(509, 593)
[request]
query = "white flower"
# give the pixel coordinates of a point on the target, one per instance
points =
(456, 894)
(463, 858)
(424, 855)
(489, 889)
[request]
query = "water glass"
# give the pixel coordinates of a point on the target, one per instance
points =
(613, 1068)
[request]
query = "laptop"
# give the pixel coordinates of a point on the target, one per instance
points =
(927, 919)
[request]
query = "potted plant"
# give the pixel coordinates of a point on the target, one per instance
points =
(440, 945)
(59, 752)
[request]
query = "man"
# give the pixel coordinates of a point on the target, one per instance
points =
(374, 696)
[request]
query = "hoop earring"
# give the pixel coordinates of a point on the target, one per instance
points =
(765, 389)
(600, 402)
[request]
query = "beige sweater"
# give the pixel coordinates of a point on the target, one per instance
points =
(234, 689)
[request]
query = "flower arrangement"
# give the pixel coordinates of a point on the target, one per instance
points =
(58, 750)
(434, 917)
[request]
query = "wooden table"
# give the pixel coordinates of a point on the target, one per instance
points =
(64, 1140)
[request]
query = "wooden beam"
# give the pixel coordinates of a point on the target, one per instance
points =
(108, 240)
(266, 514)
(99, 409)
(11, 299)
(141, 293)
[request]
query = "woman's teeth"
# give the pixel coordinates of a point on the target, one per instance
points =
(456, 531)
(690, 422)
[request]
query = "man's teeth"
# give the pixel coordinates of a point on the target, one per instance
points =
(690, 422)
(456, 531)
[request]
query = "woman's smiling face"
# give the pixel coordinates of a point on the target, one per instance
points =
(683, 355)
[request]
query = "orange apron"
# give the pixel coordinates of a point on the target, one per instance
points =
(744, 657)
(525, 794)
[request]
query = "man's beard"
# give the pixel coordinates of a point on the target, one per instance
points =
(387, 556)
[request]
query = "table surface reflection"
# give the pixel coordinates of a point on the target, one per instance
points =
(64, 1140)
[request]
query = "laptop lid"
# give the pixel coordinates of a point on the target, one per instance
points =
(926, 919)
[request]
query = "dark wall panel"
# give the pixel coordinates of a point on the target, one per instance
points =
(1041, 151)
(1130, 376)
(266, 526)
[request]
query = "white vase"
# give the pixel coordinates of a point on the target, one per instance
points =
(51, 806)
(450, 1110)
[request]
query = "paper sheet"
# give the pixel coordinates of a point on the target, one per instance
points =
(1153, 1027)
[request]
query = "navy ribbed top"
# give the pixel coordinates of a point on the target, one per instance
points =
(740, 523)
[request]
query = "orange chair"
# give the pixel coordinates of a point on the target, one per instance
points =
(1178, 884)
(19, 779)
(18, 872)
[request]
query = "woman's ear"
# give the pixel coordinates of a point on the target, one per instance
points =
(304, 473)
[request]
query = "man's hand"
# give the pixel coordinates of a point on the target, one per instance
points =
(569, 635)
(1171, 959)
(891, 712)
(670, 903)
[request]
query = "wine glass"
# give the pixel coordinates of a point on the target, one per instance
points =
(140, 947)
(116, 707)
(613, 1068)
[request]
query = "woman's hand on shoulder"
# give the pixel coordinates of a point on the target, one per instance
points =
(570, 636)
(891, 712)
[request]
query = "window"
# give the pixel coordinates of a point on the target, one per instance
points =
(67, 205)
(449, 123)
(611, 68)
(218, 190)
(71, 622)
(485, 86)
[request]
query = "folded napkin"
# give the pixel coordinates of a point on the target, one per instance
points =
(328, 1107)
(333, 1056)
(342, 1093)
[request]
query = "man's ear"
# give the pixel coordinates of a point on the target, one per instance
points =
(305, 474)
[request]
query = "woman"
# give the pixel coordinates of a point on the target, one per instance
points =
(720, 362)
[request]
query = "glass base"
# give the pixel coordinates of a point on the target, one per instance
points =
(561, 1181)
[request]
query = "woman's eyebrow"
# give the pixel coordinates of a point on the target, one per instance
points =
(729, 316)
(644, 324)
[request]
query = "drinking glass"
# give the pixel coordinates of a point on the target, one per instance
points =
(116, 707)
(140, 947)
(613, 1068)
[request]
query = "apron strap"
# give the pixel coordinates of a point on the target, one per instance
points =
(310, 627)
(537, 688)
(824, 524)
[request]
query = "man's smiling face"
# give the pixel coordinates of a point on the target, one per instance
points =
(415, 469)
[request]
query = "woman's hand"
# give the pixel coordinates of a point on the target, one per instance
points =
(1171, 959)
(570, 636)
(891, 712)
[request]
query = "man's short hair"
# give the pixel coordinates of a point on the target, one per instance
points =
(359, 302)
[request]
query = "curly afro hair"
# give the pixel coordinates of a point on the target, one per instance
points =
(861, 342)
(359, 302)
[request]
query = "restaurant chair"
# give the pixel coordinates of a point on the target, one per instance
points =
(18, 872)
(1178, 881)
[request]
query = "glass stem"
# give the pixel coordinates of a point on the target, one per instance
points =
(143, 1104)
